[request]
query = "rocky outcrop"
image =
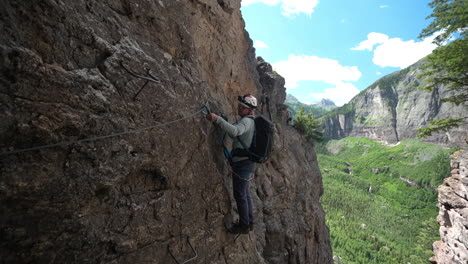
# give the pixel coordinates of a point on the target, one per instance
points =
(140, 176)
(292, 232)
(453, 214)
(393, 108)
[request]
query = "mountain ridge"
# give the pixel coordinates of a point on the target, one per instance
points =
(317, 109)
(324, 102)
(393, 108)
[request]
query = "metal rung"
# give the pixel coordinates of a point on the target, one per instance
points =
(187, 261)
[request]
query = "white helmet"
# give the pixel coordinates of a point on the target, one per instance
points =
(248, 100)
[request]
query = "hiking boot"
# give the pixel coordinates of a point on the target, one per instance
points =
(239, 229)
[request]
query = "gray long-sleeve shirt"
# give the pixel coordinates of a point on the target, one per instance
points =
(243, 128)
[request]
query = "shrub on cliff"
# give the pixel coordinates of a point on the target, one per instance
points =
(307, 125)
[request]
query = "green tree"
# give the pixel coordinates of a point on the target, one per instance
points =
(450, 16)
(447, 65)
(307, 125)
(439, 125)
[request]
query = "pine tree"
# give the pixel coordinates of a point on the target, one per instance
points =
(448, 64)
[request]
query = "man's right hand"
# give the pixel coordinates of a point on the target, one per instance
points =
(212, 117)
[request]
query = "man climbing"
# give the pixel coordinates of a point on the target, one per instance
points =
(243, 169)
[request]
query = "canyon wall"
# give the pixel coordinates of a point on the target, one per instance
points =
(393, 108)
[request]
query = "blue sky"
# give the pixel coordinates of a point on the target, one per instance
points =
(336, 48)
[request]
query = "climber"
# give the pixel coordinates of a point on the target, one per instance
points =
(243, 169)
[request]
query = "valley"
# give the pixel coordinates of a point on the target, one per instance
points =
(380, 201)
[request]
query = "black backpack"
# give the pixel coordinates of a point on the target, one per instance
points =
(262, 141)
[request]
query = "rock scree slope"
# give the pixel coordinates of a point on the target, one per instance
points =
(140, 197)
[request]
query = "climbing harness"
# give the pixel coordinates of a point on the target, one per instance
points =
(66, 143)
(187, 261)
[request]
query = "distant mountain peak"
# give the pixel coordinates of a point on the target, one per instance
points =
(291, 98)
(325, 102)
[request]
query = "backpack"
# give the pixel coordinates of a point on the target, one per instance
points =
(262, 141)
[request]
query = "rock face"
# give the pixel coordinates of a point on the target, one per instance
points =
(453, 214)
(393, 108)
(151, 187)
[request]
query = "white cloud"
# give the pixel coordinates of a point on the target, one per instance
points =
(398, 53)
(378, 73)
(394, 52)
(260, 45)
(384, 6)
(341, 94)
(268, 2)
(289, 6)
(313, 68)
(372, 39)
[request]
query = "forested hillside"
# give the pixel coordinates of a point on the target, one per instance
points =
(381, 200)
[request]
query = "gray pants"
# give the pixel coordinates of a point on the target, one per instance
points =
(240, 185)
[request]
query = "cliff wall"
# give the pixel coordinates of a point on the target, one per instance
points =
(151, 187)
(393, 108)
(453, 214)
